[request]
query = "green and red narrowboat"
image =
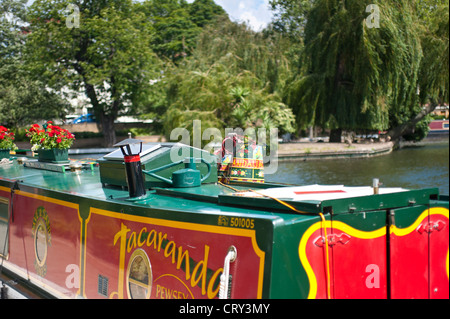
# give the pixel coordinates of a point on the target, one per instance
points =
(104, 229)
(438, 127)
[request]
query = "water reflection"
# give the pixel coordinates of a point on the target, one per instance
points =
(413, 168)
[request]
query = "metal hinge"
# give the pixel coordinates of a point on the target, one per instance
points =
(333, 239)
(430, 227)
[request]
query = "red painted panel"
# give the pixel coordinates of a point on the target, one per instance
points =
(439, 241)
(357, 262)
(409, 259)
(45, 243)
(360, 267)
(162, 247)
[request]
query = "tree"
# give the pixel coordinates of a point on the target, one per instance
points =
(177, 24)
(433, 80)
(175, 32)
(107, 54)
(22, 99)
(231, 80)
(204, 12)
(354, 75)
(290, 17)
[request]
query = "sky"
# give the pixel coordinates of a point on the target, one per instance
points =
(255, 13)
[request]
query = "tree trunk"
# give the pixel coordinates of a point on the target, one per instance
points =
(336, 136)
(107, 127)
(397, 132)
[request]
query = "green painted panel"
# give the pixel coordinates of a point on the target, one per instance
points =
(288, 278)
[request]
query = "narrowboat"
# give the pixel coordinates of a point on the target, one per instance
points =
(138, 224)
(438, 127)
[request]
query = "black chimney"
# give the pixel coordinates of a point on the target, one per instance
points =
(133, 167)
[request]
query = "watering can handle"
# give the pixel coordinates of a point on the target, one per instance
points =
(153, 171)
(168, 181)
(209, 169)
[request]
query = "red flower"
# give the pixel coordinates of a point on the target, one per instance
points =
(6, 139)
(52, 136)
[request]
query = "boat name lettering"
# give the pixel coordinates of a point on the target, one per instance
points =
(248, 163)
(129, 240)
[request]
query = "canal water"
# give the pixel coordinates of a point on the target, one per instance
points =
(412, 168)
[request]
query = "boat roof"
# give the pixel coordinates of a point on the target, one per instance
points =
(267, 198)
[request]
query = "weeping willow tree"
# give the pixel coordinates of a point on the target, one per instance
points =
(433, 81)
(231, 80)
(434, 70)
(355, 72)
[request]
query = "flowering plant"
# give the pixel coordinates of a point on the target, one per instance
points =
(49, 137)
(7, 139)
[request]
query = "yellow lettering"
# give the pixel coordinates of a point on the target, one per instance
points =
(169, 293)
(158, 290)
(202, 276)
(131, 242)
(141, 243)
(160, 240)
(151, 239)
(170, 250)
(212, 294)
(122, 235)
(155, 239)
(184, 255)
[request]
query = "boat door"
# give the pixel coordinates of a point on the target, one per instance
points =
(358, 249)
(396, 253)
(419, 239)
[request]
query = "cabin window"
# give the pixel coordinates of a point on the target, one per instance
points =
(139, 275)
(40, 241)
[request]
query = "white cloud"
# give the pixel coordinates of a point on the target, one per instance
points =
(254, 12)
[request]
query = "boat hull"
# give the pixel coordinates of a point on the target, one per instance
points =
(73, 237)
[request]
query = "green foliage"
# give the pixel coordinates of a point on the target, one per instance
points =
(108, 56)
(290, 17)
(175, 32)
(175, 62)
(354, 76)
(229, 82)
(204, 12)
(434, 71)
(22, 99)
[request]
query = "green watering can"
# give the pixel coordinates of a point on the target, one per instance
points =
(189, 176)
